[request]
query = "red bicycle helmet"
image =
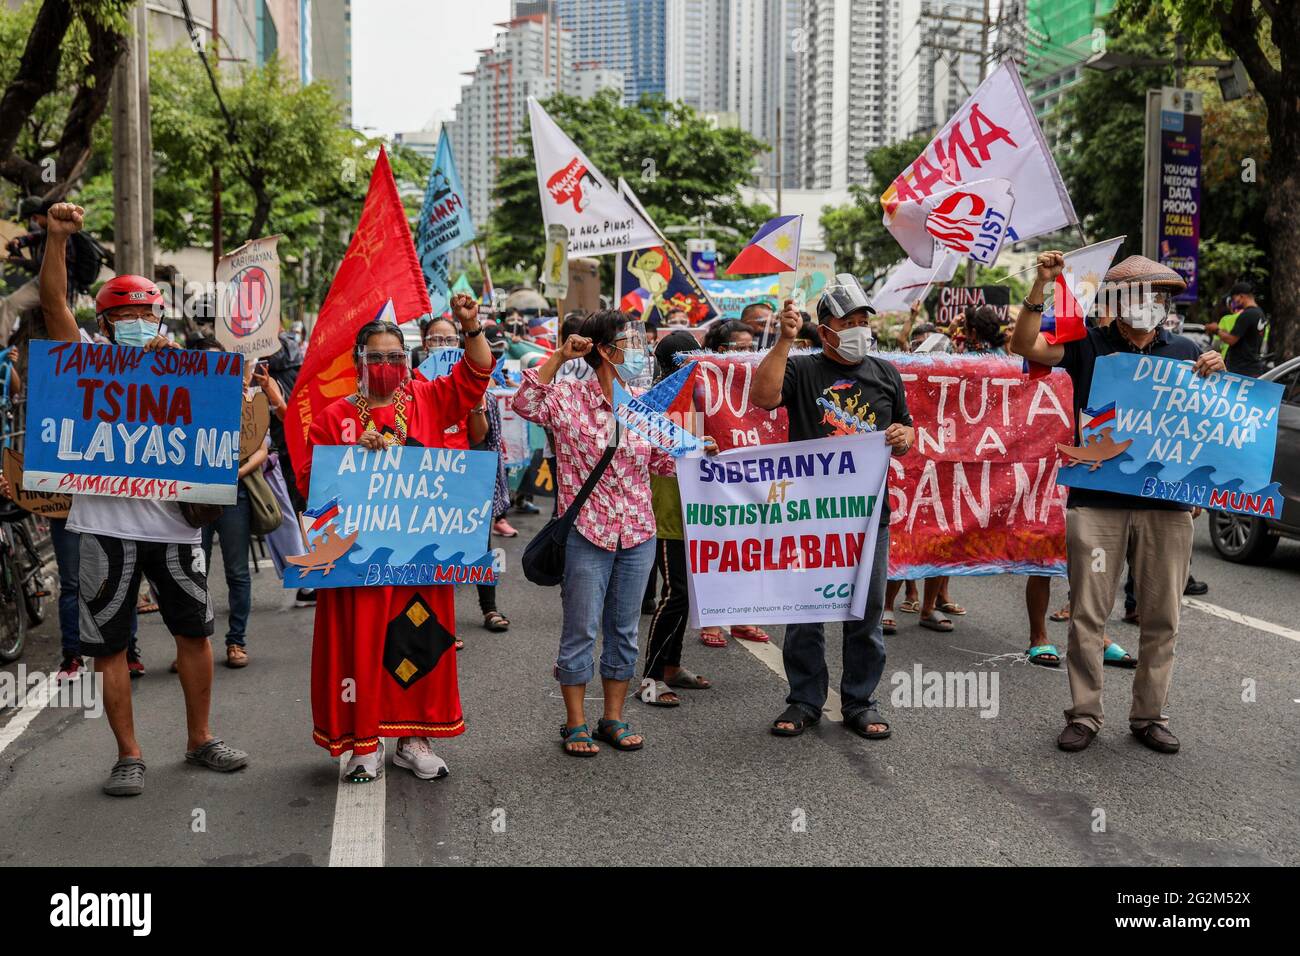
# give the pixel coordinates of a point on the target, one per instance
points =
(127, 290)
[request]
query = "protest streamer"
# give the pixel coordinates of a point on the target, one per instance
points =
(648, 414)
(555, 268)
(977, 493)
(248, 299)
(402, 516)
(575, 194)
(380, 265)
(445, 224)
(1153, 428)
(125, 423)
(657, 279)
(994, 135)
(783, 533)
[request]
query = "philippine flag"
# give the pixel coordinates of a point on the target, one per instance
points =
(774, 248)
(1075, 291)
(324, 514)
(1093, 418)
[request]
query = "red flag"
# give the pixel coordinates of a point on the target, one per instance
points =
(380, 264)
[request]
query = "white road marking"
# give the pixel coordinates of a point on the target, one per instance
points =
(24, 716)
(358, 837)
(1237, 617)
(770, 655)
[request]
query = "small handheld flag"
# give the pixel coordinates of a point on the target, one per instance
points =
(774, 248)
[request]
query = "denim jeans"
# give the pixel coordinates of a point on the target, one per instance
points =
(602, 590)
(864, 651)
(236, 540)
(67, 554)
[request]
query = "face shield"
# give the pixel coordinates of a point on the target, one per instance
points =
(631, 349)
(382, 372)
(845, 295)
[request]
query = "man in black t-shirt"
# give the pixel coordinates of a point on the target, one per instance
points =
(839, 391)
(1245, 339)
(1102, 527)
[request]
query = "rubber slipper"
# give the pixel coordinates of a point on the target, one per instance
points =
(793, 714)
(910, 607)
(1116, 656)
(745, 632)
(685, 679)
(860, 721)
(888, 624)
(937, 621)
(1058, 616)
(1039, 651)
(949, 608)
(652, 692)
(713, 638)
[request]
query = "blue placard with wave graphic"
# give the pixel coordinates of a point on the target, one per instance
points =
(1154, 429)
(405, 516)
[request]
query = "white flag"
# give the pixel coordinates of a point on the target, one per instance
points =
(970, 220)
(575, 194)
(910, 282)
(993, 135)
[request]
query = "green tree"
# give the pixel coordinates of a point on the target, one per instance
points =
(56, 62)
(684, 171)
(855, 231)
(1265, 35)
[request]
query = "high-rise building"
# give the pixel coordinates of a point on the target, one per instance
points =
(939, 61)
(697, 53)
(848, 95)
(762, 82)
(1060, 35)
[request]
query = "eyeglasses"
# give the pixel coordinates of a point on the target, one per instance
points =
(384, 358)
(441, 341)
(735, 347)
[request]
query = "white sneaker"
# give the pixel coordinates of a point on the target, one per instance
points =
(415, 754)
(367, 768)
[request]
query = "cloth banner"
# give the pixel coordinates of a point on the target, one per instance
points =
(993, 135)
(1155, 429)
(783, 533)
(125, 423)
(977, 494)
(403, 516)
(731, 296)
(722, 386)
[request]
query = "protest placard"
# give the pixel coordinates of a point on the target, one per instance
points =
(953, 301)
(122, 422)
(35, 502)
(402, 516)
(1153, 428)
(783, 533)
(732, 295)
(248, 282)
(977, 493)
(648, 415)
(254, 422)
(439, 362)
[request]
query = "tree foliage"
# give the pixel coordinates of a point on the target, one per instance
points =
(682, 169)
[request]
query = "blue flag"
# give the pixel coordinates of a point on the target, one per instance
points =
(445, 224)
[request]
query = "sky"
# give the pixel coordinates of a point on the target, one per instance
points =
(408, 56)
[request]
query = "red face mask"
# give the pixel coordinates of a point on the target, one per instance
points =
(384, 379)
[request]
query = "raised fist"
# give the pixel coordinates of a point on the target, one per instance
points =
(64, 219)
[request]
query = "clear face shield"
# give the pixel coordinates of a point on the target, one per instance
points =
(843, 298)
(381, 372)
(845, 295)
(631, 358)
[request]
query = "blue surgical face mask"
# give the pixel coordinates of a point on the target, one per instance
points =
(633, 365)
(136, 332)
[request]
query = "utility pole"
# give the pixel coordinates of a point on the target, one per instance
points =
(128, 141)
(146, 139)
(217, 250)
(780, 175)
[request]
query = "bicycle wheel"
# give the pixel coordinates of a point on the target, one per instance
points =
(13, 622)
(36, 579)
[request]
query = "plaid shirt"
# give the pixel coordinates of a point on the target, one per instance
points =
(619, 512)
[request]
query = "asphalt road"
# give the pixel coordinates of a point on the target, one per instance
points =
(712, 785)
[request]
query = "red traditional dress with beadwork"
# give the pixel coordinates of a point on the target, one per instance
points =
(395, 643)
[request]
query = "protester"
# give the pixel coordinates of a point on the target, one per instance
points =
(1155, 534)
(758, 317)
(124, 538)
(611, 547)
(1245, 334)
(359, 630)
(677, 319)
(873, 389)
(663, 656)
(729, 336)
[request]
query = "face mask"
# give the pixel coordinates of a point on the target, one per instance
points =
(854, 343)
(1147, 316)
(381, 380)
(633, 367)
(136, 332)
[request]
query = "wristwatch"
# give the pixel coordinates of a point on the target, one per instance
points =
(478, 331)
(1026, 304)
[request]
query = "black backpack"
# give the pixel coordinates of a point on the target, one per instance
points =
(85, 259)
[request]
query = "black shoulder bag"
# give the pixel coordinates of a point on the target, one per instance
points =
(543, 560)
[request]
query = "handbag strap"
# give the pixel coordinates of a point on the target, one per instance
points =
(593, 479)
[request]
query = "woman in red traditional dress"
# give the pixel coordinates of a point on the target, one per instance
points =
(383, 658)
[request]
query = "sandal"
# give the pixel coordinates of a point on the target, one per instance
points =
(949, 608)
(685, 679)
(614, 732)
(1116, 656)
(860, 723)
(712, 637)
(1062, 615)
(750, 632)
(496, 621)
(910, 607)
(577, 735)
(888, 624)
(653, 692)
(794, 714)
(937, 621)
(1038, 652)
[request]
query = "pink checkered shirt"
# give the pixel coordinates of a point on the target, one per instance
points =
(580, 418)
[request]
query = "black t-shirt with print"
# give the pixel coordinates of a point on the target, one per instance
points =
(1243, 356)
(826, 399)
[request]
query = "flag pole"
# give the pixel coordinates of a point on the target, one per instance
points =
(483, 266)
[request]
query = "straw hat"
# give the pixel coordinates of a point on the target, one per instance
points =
(1139, 270)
